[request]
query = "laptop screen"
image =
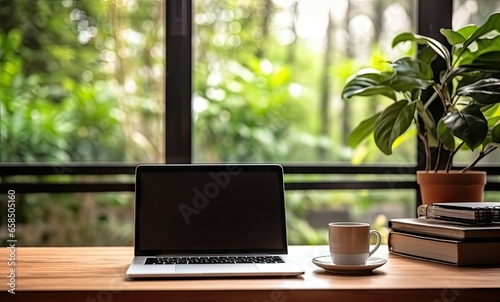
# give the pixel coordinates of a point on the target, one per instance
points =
(210, 209)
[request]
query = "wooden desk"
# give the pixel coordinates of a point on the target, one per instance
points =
(90, 274)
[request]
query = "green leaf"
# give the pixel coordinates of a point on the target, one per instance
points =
(453, 37)
(481, 47)
(484, 91)
(495, 134)
(445, 136)
(392, 123)
(488, 61)
(413, 68)
(426, 54)
(410, 74)
(493, 23)
(368, 84)
(364, 129)
(438, 48)
(467, 30)
(429, 123)
(492, 121)
(469, 125)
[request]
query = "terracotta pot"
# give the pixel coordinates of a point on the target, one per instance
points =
(452, 186)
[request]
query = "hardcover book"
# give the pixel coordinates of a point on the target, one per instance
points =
(445, 229)
(447, 251)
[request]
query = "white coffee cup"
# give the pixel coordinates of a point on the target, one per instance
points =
(350, 242)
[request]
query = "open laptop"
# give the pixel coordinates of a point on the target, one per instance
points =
(210, 220)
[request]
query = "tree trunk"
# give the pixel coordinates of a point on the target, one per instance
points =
(325, 86)
(265, 28)
(292, 47)
(349, 54)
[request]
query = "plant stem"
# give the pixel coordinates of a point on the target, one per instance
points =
(427, 152)
(439, 91)
(481, 155)
(449, 163)
(438, 159)
(431, 99)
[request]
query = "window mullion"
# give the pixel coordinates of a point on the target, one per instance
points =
(178, 132)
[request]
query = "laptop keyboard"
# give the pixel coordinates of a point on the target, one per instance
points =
(214, 260)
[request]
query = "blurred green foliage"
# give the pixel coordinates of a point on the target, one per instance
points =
(244, 104)
(262, 91)
(77, 81)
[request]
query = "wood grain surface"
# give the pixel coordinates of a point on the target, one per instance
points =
(98, 274)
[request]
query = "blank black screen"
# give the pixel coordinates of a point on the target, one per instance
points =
(210, 209)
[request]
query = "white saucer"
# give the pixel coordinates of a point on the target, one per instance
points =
(325, 262)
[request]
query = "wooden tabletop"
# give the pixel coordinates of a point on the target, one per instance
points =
(97, 274)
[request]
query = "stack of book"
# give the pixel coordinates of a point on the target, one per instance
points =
(460, 234)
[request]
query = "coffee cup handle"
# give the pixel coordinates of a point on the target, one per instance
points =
(377, 244)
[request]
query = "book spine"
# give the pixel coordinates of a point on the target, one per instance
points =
(422, 212)
(483, 215)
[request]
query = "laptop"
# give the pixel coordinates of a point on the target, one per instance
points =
(214, 220)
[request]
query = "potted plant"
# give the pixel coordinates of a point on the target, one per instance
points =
(467, 92)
